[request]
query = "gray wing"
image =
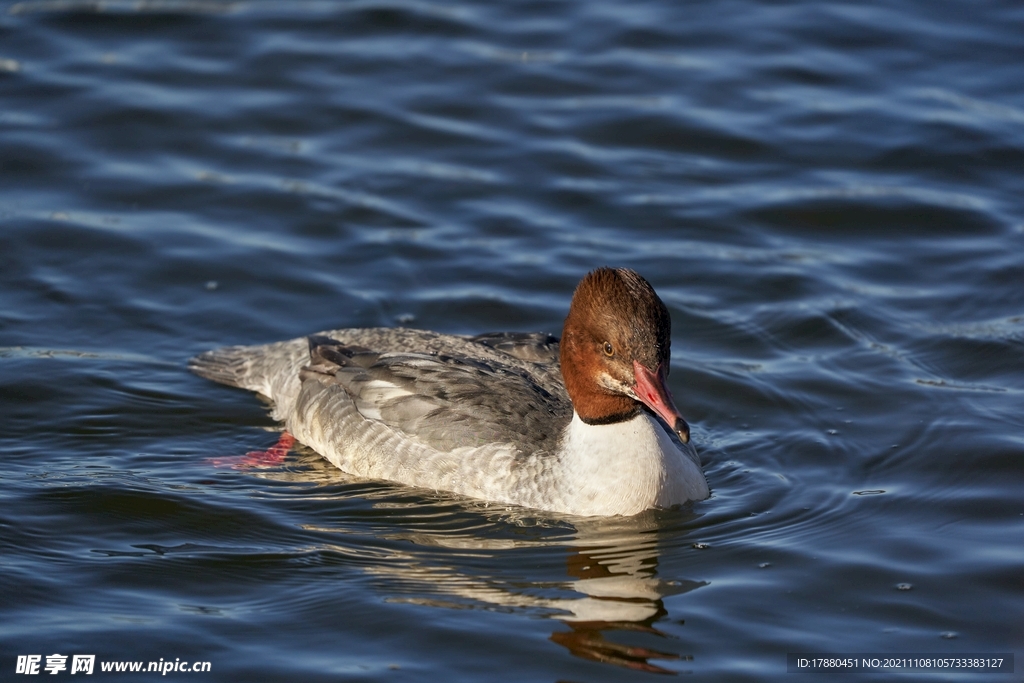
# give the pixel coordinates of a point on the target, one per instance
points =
(447, 402)
(537, 347)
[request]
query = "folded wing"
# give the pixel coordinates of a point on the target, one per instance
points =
(447, 402)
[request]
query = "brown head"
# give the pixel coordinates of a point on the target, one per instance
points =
(615, 350)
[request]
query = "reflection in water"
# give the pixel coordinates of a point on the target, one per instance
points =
(611, 563)
(614, 567)
(613, 586)
(619, 592)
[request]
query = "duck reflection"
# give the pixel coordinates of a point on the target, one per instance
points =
(613, 586)
(619, 591)
(464, 555)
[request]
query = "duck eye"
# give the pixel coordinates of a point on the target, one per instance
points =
(608, 350)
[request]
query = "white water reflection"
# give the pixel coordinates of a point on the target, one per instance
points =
(610, 584)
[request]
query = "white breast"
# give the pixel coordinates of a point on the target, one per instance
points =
(625, 468)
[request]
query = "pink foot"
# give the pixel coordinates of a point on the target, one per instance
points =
(274, 455)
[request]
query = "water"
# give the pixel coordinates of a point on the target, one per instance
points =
(827, 195)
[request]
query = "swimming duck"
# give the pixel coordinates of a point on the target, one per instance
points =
(585, 426)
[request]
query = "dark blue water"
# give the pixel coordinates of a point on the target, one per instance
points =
(828, 196)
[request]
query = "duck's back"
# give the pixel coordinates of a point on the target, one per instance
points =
(465, 414)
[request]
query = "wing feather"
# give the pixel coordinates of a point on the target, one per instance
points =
(448, 402)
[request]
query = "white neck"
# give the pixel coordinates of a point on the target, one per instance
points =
(625, 468)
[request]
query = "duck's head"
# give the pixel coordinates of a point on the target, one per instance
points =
(615, 350)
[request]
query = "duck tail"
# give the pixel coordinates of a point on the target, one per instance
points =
(231, 365)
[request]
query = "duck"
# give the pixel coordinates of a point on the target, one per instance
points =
(583, 425)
